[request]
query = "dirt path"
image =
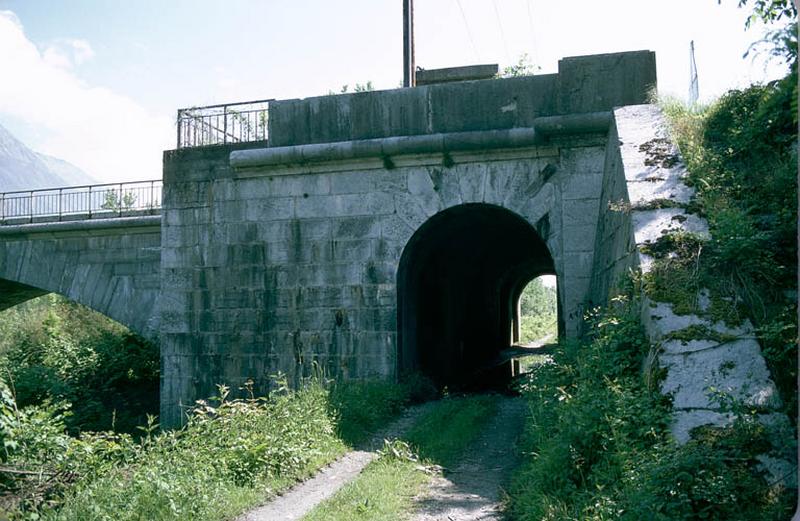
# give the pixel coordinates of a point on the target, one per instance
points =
(472, 489)
(300, 499)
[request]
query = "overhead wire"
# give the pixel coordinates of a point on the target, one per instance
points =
(469, 33)
(502, 32)
(533, 33)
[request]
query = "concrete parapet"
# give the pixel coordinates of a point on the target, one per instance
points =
(583, 84)
(605, 81)
(84, 227)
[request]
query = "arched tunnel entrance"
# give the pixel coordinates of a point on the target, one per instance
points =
(459, 281)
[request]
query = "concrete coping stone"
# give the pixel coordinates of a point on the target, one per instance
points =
(466, 73)
(423, 144)
(144, 221)
(590, 122)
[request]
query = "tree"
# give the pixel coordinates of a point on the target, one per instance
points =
(537, 299)
(113, 201)
(769, 11)
(523, 67)
(782, 42)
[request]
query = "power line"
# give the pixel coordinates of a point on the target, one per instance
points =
(469, 33)
(533, 33)
(502, 33)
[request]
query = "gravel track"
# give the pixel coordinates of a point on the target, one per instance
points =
(303, 497)
(472, 489)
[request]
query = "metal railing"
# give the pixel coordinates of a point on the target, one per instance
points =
(80, 202)
(221, 124)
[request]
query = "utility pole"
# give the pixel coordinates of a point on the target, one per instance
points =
(694, 86)
(409, 68)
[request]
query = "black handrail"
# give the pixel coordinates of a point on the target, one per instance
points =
(224, 123)
(80, 202)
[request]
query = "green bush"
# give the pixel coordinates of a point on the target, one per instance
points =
(597, 447)
(229, 456)
(54, 350)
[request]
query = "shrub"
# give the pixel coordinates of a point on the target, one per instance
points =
(597, 445)
(230, 454)
(63, 352)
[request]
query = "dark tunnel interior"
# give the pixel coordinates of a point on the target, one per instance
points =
(459, 281)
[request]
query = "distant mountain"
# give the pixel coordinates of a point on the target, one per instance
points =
(23, 169)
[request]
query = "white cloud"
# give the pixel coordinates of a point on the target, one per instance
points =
(68, 52)
(109, 135)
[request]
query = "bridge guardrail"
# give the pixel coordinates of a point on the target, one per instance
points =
(221, 124)
(80, 202)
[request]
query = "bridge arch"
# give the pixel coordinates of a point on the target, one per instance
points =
(110, 266)
(458, 284)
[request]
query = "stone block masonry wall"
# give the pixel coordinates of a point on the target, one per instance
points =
(110, 265)
(644, 197)
(289, 254)
(284, 268)
(614, 247)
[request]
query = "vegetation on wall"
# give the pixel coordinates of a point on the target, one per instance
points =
(741, 154)
(597, 444)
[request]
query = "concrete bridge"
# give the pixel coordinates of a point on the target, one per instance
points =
(110, 265)
(372, 234)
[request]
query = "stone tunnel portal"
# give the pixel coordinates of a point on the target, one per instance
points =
(459, 280)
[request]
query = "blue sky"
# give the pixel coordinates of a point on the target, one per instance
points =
(97, 82)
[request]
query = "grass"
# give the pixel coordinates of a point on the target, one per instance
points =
(441, 434)
(232, 455)
(387, 486)
(228, 458)
(361, 407)
(384, 490)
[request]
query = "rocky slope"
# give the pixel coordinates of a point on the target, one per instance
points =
(23, 169)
